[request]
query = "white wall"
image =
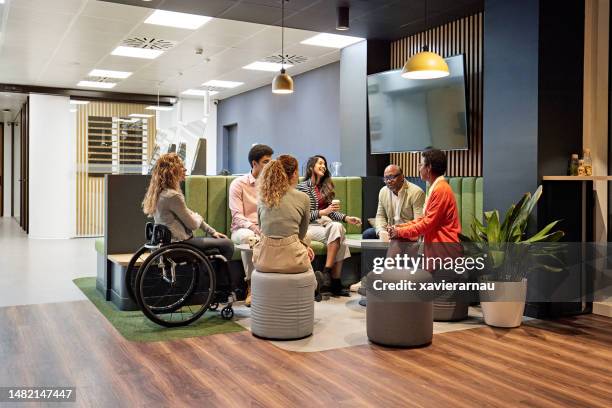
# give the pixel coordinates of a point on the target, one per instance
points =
(7, 171)
(185, 124)
(52, 167)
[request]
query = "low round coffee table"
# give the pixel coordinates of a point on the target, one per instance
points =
(365, 244)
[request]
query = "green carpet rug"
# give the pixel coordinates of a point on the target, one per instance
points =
(135, 326)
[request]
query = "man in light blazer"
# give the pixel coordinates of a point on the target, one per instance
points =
(399, 201)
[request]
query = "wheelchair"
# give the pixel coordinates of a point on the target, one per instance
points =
(177, 282)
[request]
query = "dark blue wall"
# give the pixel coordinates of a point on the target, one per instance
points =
(302, 124)
(510, 122)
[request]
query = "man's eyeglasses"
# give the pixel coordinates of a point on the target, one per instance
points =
(390, 178)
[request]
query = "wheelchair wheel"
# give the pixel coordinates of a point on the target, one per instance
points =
(131, 272)
(175, 285)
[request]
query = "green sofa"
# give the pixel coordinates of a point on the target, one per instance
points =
(208, 196)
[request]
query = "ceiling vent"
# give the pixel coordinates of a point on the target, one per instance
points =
(148, 43)
(289, 59)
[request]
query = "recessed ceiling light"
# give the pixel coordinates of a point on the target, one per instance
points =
(140, 115)
(94, 84)
(178, 20)
(133, 52)
(222, 84)
(199, 92)
(266, 66)
(78, 102)
(109, 74)
(331, 40)
(160, 108)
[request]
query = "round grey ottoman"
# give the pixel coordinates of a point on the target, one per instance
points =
(282, 305)
(450, 305)
(399, 318)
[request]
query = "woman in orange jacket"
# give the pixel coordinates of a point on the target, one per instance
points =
(440, 221)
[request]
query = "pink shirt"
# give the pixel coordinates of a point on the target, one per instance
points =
(243, 202)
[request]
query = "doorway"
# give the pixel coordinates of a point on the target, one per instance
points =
(230, 148)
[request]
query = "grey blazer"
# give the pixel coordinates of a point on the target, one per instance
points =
(172, 212)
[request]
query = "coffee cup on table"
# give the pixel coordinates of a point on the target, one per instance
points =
(383, 236)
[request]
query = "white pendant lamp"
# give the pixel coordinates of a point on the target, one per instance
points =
(282, 83)
(425, 64)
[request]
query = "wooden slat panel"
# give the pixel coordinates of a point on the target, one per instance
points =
(458, 37)
(90, 190)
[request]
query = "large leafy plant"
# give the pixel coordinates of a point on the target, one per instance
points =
(506, 245)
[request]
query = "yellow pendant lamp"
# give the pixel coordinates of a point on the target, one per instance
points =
(425, 64)
(282, 83)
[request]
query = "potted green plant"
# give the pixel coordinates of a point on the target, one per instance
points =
(510, 254)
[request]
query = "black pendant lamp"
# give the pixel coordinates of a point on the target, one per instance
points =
(282, 83)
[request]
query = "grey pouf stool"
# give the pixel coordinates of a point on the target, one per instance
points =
(399, 318)
(450, 305)
(282, 305)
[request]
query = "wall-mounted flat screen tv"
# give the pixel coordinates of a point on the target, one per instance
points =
(409, 115)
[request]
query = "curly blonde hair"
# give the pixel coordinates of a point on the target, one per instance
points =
(165, 175)
(273, 182)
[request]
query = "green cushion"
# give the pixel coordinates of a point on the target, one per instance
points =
(455, 183)
(99, 244)
(196, 188)
(217, 203)
(318, 247)
(468, 202)
(228, 215)
(478, 201)
(354, 204)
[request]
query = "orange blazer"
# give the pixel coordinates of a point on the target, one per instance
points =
(440, 223)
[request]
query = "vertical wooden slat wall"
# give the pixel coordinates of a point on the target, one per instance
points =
(90, 190)
(463, 36)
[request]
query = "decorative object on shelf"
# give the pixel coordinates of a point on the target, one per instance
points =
(508, 251)
(581, 169)
(573, 165)
(588, 162)
(425, 64)
(282, 83)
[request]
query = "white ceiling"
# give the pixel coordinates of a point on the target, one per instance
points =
(57, 42)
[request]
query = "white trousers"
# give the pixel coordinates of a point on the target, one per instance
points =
(241, 236)
(329, 233)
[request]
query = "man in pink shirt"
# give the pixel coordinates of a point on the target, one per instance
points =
(243, 204)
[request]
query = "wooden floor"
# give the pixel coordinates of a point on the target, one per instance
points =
(565, 363)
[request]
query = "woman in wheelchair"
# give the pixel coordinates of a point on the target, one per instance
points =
(165, 202)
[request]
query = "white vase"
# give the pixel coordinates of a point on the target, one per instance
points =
(504, 306)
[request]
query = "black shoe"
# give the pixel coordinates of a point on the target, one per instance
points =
(319, 277)
(338, 290)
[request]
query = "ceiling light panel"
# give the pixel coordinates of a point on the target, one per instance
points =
(177, 20)
(94, 84)
(199, 92)
(222, 84)
(132, 52)
(140, 115)
(266, 66)
(78, 102)
(106, 73)
(331, 40)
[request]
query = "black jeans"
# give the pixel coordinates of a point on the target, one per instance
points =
(225, 246)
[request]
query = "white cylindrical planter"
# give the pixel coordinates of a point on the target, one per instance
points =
(504, 306)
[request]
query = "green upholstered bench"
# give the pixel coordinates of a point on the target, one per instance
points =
(208, 196)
